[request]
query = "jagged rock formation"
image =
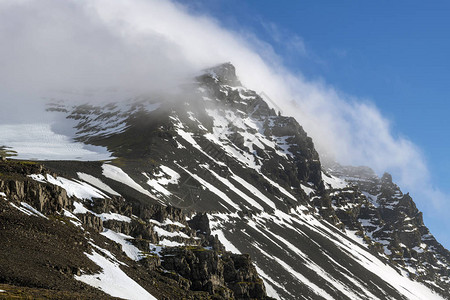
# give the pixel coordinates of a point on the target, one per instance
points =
(389, 222)
(216, 168)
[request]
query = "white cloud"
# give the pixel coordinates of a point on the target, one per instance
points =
(147, 44)
(69, 44)
(291, 41)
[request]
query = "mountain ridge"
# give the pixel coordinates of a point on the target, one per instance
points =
(312, 231)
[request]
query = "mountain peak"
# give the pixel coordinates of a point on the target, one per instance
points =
(386, 178)
(225, 73)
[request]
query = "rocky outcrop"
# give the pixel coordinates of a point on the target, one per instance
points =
(160, 213)
(306, 158)
(226, 275)
(112, 204)
(200, 223)
(224, 74)
(18, 187)
(91, 221)
(241, 277)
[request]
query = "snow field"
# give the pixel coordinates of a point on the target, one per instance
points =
(39, 142)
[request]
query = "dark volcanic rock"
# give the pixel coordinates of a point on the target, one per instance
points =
(200, 222)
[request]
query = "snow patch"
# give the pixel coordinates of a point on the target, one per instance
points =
(228, 245)
(80, 209)
(167, 222)
(306, 189)
(271, 292)
(97, 183)
(113, 281)
(162, 232)
(130, 250)
(26, 211)
(33, 210)
(333, 182)
(116, 173)
(169, 243)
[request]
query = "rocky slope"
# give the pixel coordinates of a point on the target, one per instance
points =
(214, 167)
(54, 244)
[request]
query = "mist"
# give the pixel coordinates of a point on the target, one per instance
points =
(148, 45)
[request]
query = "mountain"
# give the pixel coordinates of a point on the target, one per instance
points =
(209, 193)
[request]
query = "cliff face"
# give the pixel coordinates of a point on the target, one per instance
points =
(215, 168)
(16, 186)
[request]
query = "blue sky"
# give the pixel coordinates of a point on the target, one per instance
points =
(394, 54)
